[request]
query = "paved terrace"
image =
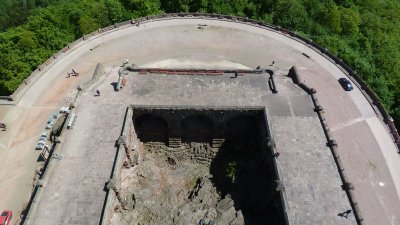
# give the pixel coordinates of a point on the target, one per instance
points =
(365, 146)
(75, 193)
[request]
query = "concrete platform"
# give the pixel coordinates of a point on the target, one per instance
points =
(76, 191)
(223, 41)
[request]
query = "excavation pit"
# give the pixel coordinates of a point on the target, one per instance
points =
(199, 166)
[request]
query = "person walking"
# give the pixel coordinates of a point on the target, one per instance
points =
(4, 126)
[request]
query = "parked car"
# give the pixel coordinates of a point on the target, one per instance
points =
(43, 142)
(345, 84)
(44, 134)
(39, 146)
(5, 217)
(42, 139)
(64, 110)
(49, 125)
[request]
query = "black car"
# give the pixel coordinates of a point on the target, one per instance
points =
(345, 84)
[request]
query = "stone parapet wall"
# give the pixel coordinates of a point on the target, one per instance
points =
(331, 143)
(202, 153)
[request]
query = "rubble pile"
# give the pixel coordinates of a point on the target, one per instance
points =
(162, 190)
(197, 184)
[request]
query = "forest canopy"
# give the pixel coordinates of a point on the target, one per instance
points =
(364, 33)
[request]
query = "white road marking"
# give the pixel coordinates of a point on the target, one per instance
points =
(348, 123)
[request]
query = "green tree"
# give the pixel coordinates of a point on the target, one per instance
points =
(139, 8)
(27, 41)
(345, 3)
(292, 15)
(315, 9)
(220, 6)
(387, 55)
(331, 17)
(396, 116)
(380, 85)
(115, 10)
(43, 3)
(87, 24)
(198, 5)
(175, 6)
(251, 10)
(30, 4)
(349, 20)
(239, 7)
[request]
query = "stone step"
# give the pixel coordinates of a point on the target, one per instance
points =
(174, 145)
(202, 159)
(217, 142)
(174, 142)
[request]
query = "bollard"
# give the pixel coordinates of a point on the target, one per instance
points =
(319, 108)
(332, 142)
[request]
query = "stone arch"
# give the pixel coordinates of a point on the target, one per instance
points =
(151, 128)
(197, 128)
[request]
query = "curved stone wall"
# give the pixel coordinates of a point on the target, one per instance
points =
(365, 89)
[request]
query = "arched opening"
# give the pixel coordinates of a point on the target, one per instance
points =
(197, 128)
(151, 128)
